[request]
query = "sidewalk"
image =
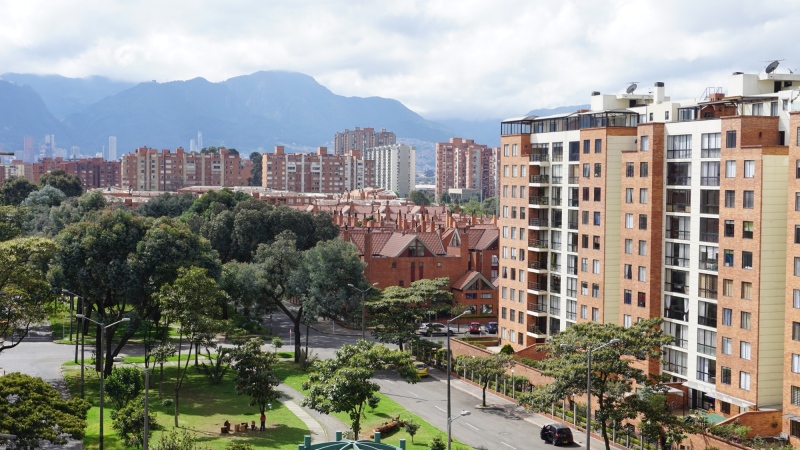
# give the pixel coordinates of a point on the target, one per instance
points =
(322, 426)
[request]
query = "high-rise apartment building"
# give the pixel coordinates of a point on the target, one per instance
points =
(316, 172)
(93, 172)
(395, 167)
(645, 207)
(463, 164)
(147, 169)
(28, 149)
(361, 139)
(112, 149)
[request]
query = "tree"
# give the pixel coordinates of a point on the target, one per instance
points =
(70, 185)
(160, 355)
(24, 292)
(129, 422)
(166, 205)
(343, 383)
(33, 410)
(123, 385)
(486, 368)
(14, 190)
(12, 220)
(490, 206)
(190, 301)
(614, 367)
(420, 198)
(658, 423)
(445, 198)
(411, 428)
(46, 196)
(255, 175)
(255, 375)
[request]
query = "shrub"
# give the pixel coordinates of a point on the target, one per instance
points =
(217, 367)
(437, 443)
(507, 350)
(129, 423)
(277, 342)
(373, 402)
(167, 402)
(123, 385)
(411, 428)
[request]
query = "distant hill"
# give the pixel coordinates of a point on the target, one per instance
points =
(66, 96)
(23, 113)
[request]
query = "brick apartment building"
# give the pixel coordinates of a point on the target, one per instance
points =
(316, 172)
(94, 172)
(643, 207)
(148, 169)
(463, 164)
(361, 139)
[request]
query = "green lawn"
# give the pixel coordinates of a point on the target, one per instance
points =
(290, 374)
(203, 409)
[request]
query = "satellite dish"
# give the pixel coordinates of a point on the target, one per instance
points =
(631, 88)
(772, 66)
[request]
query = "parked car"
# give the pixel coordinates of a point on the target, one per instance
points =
(556, 433)
(438, 329)
(423, 327)
(422, 369)
(475, 328)
(491, 328)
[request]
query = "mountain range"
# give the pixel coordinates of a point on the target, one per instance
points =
(256, 111)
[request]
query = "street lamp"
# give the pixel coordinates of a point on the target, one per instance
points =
(363, 307)
(146, 403)
(449, 369)
(103, 328)
(80, 311)
(589, 351)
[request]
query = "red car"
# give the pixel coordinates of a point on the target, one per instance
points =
(475, 328)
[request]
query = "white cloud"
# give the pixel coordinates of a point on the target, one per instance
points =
(467, 59)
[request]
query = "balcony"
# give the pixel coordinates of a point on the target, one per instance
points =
(679, 208)
(709, 181)
(539, 157)
(535, 330)
(676, 261)
(539, 201)
(674, 368)
(680, 288)
(676, 314)
(707, 349)
(537, 265)
(539, 179)
(573, 225)
(538, 222)
(706, 236)
(707, 293)
(679, 154)
(573, 180)
(558, 157)
(537, 307)
(572, 248)
(677, 234)
(555, 201)
(537, 285)
(708, 264)
(707, 321)
(573, 202)
(538, 243)
(679, 180)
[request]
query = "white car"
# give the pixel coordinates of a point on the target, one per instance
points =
(437, 329)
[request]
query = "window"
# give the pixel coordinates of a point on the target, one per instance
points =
(643, 195)
(744, 377)
(629, 170)
(586, 145)
(745, 320)
(626, 321)
(730, 199)
(596, 242)
(628, 195)
(586, 194)
(730, 139)
(747, 260)
(629, 246)
(727, 258)
(626, 298)
(707, 342)
(744, 350)
(642, 221)
(796, 331)
(583, 311)
(642, 248)
(598, 146)
(726, 375)
(749, 169)
(584, 264)
(727, 288)
(795, 363)
(796, 299)
(598, 169)
(730, 169)
(679, 146)
(595, 290)
(709, 145)
(748, 200)
(584, 288)
(627, 271)
(642, 273)
(729, 227)
(644, 143)
(707, 314)
(795, 397)
(707, 286)
(595, 315)
(628, 220)
(709, 201)
(747, 229)
(641, 300)
(587, 169)
(727, 346)
(596, 266)
(727, 316)
(584, 217)
(597, 194)
(584, 241)
(709, 173)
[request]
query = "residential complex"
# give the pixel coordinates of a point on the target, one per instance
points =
(93, 172)
(395, 167)
(463, 164)
(361, 139)
(316, 172)
(147, 169)
(642, 207)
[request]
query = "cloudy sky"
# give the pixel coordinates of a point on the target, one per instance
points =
(443, 59)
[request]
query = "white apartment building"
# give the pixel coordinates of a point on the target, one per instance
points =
(395, 167)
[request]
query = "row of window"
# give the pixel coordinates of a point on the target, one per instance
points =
(642, 195)
(514, 191)
(515, 171)
(642, 221)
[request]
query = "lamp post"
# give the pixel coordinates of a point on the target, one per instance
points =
(363, 307)
(449, 369)
(103, 328)
(589, 351)
(146, 404)
(80, 311)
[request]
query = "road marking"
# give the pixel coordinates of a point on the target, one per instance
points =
(388, 381)
(415, 395)
(515, 448)
(473, 426)
(440, 409)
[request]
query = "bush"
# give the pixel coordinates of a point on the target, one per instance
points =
(411, 428)
(437, 443)
(167, 402)
(277, 342)
(217, 367)
(129, 423)
(238, 446)
(373, 402)
(123, 385)
(507, 350)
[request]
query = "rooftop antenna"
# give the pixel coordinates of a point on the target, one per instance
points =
(772, 65)
(631, 88)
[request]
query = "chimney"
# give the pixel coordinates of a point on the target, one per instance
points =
(658, 92)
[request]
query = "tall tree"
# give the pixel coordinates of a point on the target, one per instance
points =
(70, 185)
(46, 196)
(166, 205)
(12, 219)
(255, 178)
(614, 367)
(190, 301)
(14, 190)
(255, 376)
(486, 368)
(344, 383)
(420, 198)
(24, 291)
(34, 411)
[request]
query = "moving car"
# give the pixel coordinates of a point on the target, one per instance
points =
(422, 369)
(491, 328)
(423, 327)
(475, 328)
(438, 329)
(556, 433)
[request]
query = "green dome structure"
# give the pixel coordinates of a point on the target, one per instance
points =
(349, 444)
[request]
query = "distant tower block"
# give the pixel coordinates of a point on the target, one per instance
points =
(112, 148)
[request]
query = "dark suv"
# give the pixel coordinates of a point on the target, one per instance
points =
(556, 433)
(491, 328)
